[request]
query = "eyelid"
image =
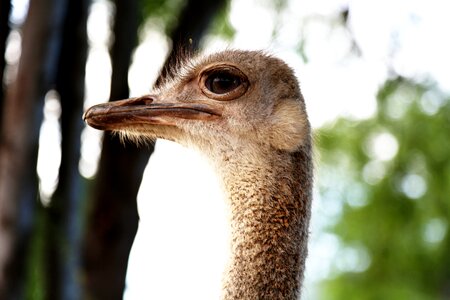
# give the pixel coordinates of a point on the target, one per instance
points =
(233, 94)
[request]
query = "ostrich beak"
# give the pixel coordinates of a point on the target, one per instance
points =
(144, 110)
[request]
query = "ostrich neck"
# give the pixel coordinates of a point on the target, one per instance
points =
(269, 201)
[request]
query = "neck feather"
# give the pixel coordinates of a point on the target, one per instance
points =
(270, 199)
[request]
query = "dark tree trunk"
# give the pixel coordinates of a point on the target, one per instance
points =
(5, 8)
(193, 23)
(22, 116)
(113, 219)
(64, 215)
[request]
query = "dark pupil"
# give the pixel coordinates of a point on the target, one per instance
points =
(221, 83)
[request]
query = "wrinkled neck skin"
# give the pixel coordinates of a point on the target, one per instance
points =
(269, 196)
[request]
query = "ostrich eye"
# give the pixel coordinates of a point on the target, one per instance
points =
(222, 82)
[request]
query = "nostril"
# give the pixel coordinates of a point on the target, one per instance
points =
(144, 100)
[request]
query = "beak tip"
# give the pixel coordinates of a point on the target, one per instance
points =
(86, 115)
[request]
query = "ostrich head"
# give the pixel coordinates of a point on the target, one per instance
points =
(228, 100)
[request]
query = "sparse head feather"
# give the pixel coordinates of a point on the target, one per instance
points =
(179, 59)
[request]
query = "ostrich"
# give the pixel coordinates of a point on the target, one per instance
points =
(244, 111)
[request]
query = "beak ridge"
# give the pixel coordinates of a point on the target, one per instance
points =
(145, 110)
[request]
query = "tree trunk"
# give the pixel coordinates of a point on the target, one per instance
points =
(193, 23)
(113, 219)
(5, 8)
(22, 116)
(64, 215)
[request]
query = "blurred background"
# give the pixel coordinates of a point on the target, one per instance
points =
(376, 79)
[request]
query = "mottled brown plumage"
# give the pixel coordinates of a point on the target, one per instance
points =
(244, 111)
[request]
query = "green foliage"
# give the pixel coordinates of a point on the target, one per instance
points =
(164, 11)
(277, 5)
(221, 25)
(391, 176)
(35, 288)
